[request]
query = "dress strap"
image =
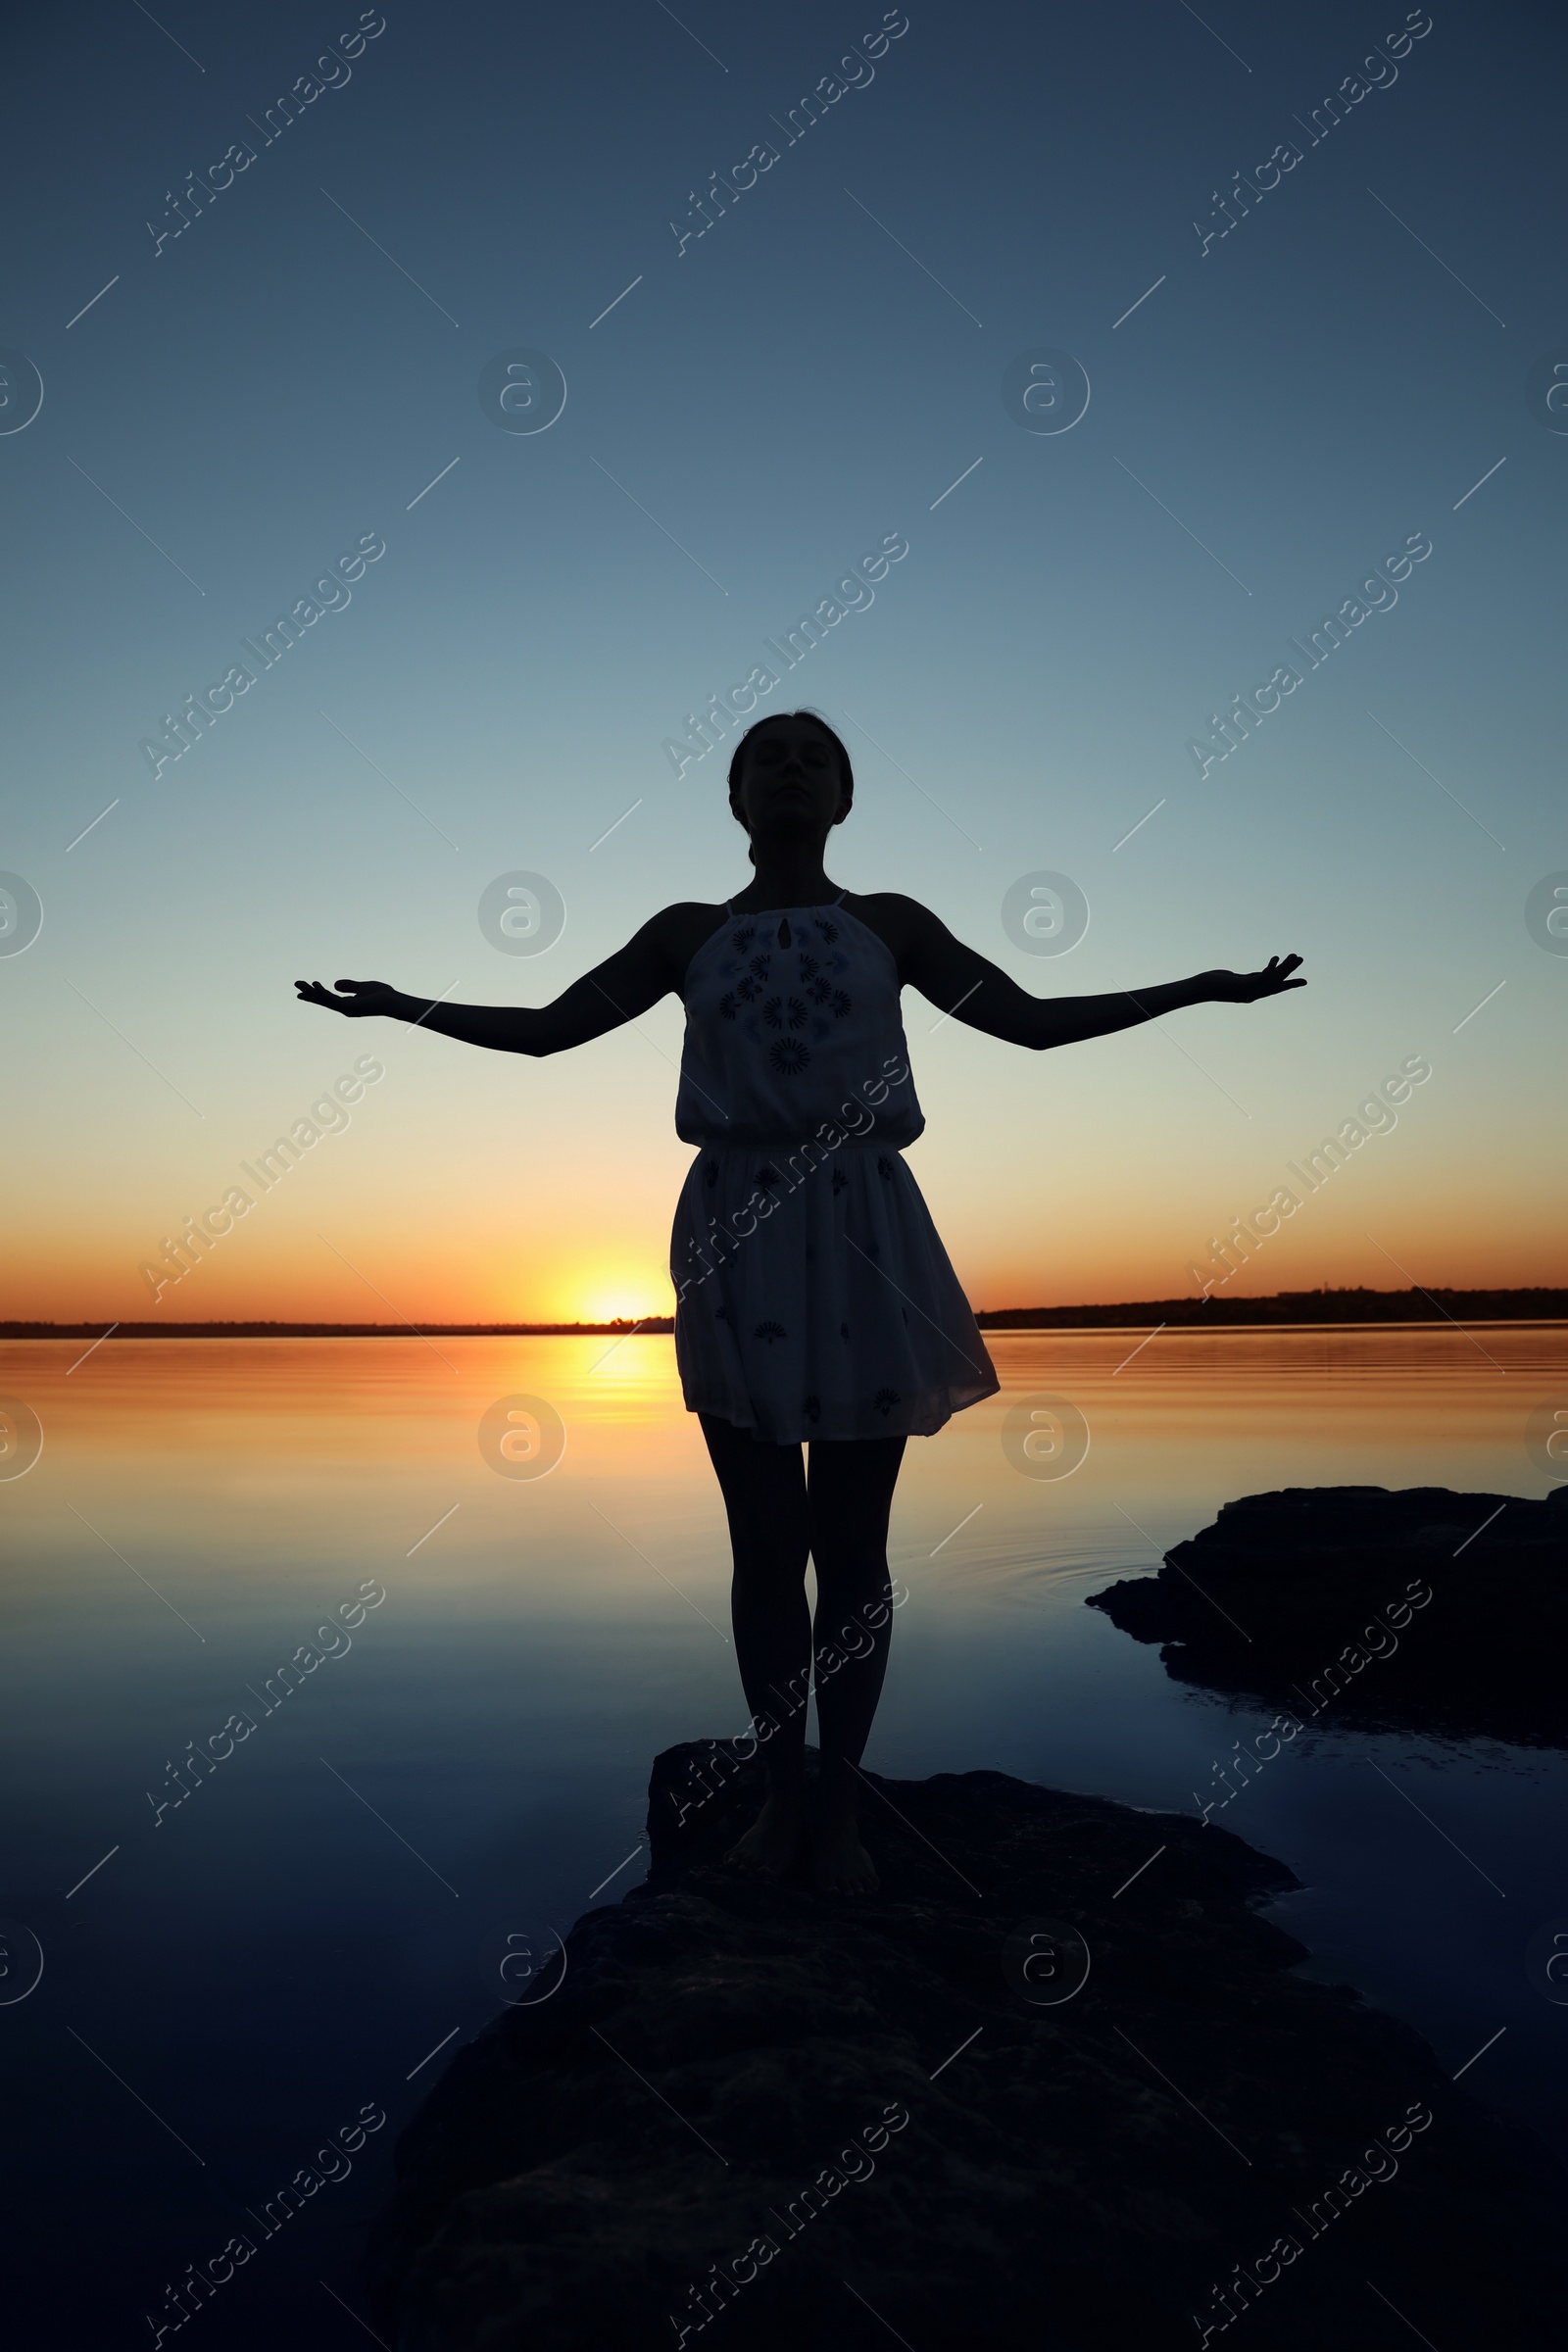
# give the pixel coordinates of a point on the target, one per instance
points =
(729, 909)
(839, 901)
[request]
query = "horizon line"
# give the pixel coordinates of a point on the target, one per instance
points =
(1539, 1303)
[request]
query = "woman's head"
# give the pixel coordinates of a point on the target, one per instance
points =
(790, 774)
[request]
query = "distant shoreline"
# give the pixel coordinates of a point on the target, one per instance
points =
(1302, 1308)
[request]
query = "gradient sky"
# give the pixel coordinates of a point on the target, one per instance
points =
(760, 411)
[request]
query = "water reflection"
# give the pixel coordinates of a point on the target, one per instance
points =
(296, 1936)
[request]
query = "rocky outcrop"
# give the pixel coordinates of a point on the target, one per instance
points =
(1054, 2085)
(1414, 1609)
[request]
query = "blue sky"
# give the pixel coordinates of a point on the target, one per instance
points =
(1281, 409)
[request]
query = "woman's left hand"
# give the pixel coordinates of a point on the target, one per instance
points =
(1245, 988)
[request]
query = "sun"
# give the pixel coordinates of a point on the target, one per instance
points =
(616, 1303)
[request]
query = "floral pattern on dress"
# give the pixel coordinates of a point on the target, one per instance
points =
(767, 1017)
(780, 1012)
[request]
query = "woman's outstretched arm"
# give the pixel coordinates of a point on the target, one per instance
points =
(624, 985)
(977, 992)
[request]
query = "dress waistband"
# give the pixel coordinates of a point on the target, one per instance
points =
(784, 1149)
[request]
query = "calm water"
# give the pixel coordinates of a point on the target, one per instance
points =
(246, 1973)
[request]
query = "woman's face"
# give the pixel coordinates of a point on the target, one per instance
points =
(790, 783)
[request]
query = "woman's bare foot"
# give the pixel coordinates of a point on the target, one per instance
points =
(840, 1863)
(767, 1847)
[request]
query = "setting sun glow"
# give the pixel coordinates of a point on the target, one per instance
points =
(613, 1301)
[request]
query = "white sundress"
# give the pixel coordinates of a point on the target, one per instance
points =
(813, 1296)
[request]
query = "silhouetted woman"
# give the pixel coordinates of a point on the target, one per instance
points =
(814, 1302)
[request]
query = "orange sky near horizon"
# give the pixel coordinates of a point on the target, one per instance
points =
(470, 1188)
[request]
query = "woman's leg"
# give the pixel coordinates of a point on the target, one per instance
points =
(849, 1497)
(764, 1497)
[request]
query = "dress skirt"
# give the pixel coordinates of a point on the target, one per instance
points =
(818, 1302)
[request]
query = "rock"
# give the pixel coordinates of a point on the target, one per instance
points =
(1386, 1608)
(756, 2117)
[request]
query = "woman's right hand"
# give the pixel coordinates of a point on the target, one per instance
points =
(359, 996)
